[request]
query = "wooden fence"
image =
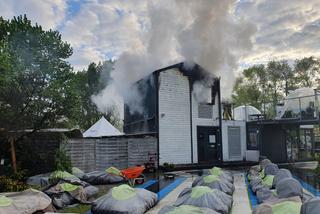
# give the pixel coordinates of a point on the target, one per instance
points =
(91, 154)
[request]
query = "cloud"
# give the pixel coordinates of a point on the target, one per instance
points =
(205, 32)
(48, 13)
(101, 29)
(84, 56)
(286, 29)
(107, 28)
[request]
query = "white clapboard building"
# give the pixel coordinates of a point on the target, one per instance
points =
(182, 106)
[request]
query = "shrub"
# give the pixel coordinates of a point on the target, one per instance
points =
(168, 166)
(62, 161)
(9, 184)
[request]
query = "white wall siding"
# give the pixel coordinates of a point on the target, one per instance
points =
(196, 121)
(174, 118)
(225, 140)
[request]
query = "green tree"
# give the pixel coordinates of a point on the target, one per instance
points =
(261, 84)
(37, 87)
(307, 72)
(252, 87)
(270, 83)
(246, 94)
(90, 82)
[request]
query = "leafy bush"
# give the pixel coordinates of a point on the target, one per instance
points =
(21, 175)
(62, 161)
(10, 184)
(168, 166)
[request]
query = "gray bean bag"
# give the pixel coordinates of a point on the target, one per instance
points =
(202, 196)
(289, 187)
(40, 180)
(214, 182)
(256, 184)
(280, 206)
(223, 174)
(263, 163)
(101, 177)
(281, 174)
(28, 201)
(264, 194)
(271, 169)
(64, 194)
(77, 172)
(311, 206)
(253, 172)
(56, 176)
(124, 200)
(186, 209)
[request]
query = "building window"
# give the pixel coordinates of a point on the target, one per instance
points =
(306, 142)
(253, 141)
(205, 111)
(292, 140)
(316, 132)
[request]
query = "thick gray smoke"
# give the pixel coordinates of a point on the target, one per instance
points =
(203, 31)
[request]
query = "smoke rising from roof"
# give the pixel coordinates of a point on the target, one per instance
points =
(203, 31)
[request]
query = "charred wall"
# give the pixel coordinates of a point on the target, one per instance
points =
(144, 120)
(271, 140)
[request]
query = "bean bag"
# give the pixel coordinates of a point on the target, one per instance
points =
(202, 196)
(101, 177)
(268, 181)
(311, 206)
(124, 200)
(214, 182)
(263, 163)
(56, 176)
(28, 202)
(264, 194)
(77, 172)
(226, 175)
(280, 206)
(289, 187)
(271, 169)
(256, 184)
(186, 209)
(40, 180)
(64, 194)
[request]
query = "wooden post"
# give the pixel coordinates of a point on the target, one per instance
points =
(13, 155)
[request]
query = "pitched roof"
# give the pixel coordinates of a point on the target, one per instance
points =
(101, 128)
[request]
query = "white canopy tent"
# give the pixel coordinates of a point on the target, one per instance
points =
(101, 128)
(298, 100)
(243, 112)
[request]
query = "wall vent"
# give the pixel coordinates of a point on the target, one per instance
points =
(234, 142)
(205, 111)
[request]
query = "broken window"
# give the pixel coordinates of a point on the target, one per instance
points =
(204, 111)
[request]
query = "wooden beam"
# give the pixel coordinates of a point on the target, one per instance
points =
(13, 155)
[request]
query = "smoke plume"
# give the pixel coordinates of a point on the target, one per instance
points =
(204, 31)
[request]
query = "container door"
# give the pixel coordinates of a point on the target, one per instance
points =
(208, 144)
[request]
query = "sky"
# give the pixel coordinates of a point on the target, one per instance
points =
(104, 29)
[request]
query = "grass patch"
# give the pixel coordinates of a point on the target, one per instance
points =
(81, 209)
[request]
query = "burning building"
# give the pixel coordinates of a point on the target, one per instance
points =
(182, 106)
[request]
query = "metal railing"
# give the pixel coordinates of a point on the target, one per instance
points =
(302, 108)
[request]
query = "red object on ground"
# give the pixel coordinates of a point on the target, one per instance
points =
(132, 172)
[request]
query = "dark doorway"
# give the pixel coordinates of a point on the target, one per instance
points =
(208, 144)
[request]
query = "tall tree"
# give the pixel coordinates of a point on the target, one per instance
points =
(307, 72)
(270, 83)
(245, 94)
(90, 82)
(36, 85)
